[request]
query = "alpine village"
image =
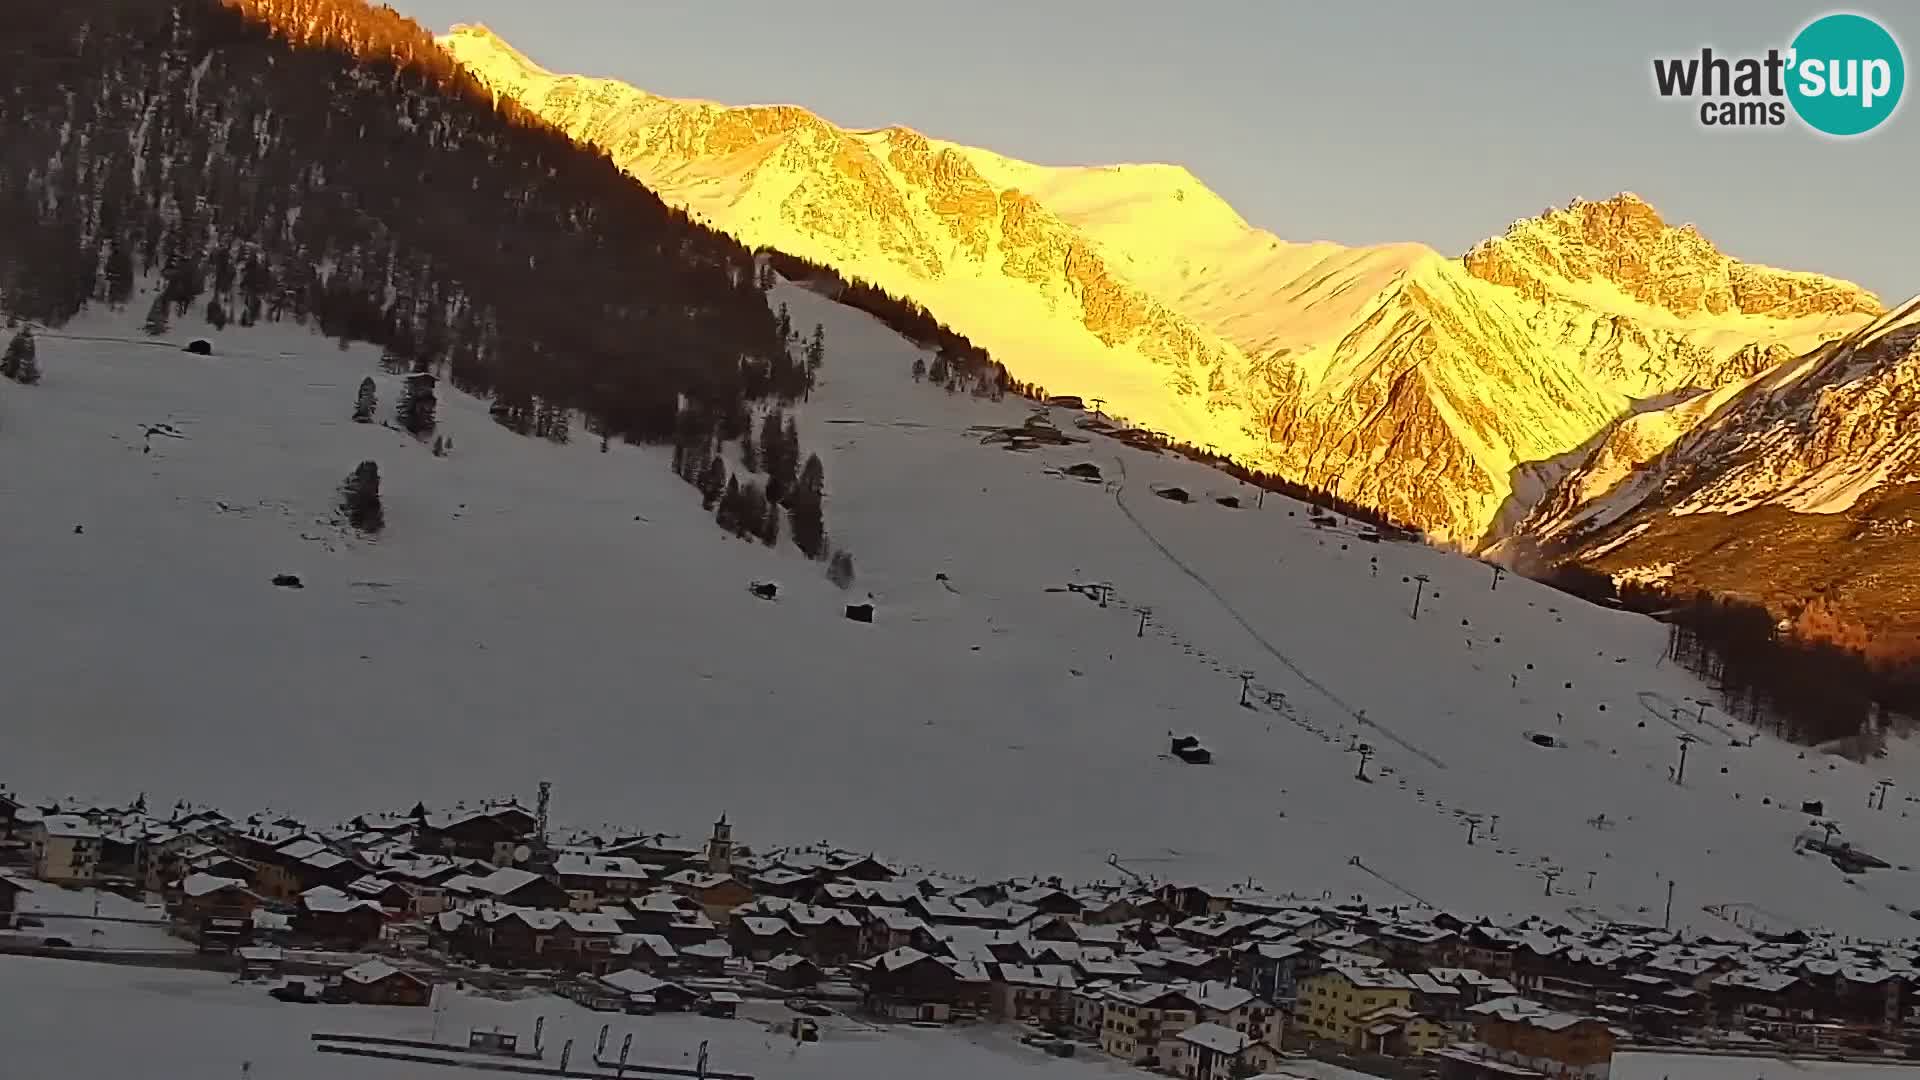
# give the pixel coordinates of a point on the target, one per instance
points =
(1178, 978)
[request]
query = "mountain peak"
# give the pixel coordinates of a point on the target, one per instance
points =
(1624, 243)
(477, 46)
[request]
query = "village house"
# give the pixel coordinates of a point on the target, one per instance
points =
(376, 982)
(907, 984)
(761, 937)
(1270, 969)
(1090, 1007)
(647, 952)
(532, 938)
(1187, 901)
(391, 895)
(884, 929)
(215, 912)
(1415, 946)
(791, 971)
(1332, 1002)
(1238, 1009)
(1106, 910)
(830, 936)
(705, 957)
(66, 849)
(876, 894)
(643, 993)
(593, 880)
(1221, 930)
(10, 891)
(1141, 1024)
(511, 886)
(489, 833)
(784, 883)
(717, 894)
(1557, 1045)
(1048, 899)
(330, 918)
(1042, 993)
(1208, 1051)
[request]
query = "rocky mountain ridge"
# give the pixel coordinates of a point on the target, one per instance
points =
(1452, 393)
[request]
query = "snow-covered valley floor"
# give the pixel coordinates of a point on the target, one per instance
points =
(540, 612)
(79, 1021)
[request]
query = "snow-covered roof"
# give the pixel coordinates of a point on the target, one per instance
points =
(198, 885)
(326, 898)
(372, 971)
(761, 926)
(1052, 976)
(1218, 1039)
(70, 825)
(1217, 996)
(614, 867)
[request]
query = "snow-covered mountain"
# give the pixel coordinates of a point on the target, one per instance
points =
(1450, 392)
(538, 611)
(1797, 483)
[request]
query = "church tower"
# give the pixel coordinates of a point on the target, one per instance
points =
(720, 848)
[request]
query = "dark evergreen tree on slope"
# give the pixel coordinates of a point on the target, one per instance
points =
(417, 405)
(368, 401)
(360, 498)
(840, 569)
(806, 505)
(21, 362)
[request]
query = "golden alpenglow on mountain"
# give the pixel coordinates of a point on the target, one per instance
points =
(1450, 393)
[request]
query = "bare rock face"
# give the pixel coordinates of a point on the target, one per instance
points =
(1623, 242)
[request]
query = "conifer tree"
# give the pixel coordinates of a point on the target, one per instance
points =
(713, 482)
(417, 404)
(367, 403)
(784, 323)
(840, 569)
(807, 506)
(749, 451)
(751, 511)
(159, 316)
(360, 498)
(816, 349)
(729, 509)
(919, 368)
(439, 446)
(779, 455)
(21, 361)
(768, 529)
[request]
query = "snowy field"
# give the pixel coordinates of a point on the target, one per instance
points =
(93, 919)
(1717, 1067)
(59, 1014)
(539, 612)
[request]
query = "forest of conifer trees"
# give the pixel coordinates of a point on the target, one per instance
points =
(323, 162)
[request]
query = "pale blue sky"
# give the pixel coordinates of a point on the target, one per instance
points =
(1356, 122)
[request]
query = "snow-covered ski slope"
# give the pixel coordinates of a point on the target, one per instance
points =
(540, 612)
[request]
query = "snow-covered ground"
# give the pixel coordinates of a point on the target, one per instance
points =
(93, 919)
(539, 612)
(75, 1021)
(1638, 1066)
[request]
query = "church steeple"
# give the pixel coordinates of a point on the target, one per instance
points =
(720, 848)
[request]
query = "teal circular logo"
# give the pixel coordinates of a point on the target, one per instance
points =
(1847, 74)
